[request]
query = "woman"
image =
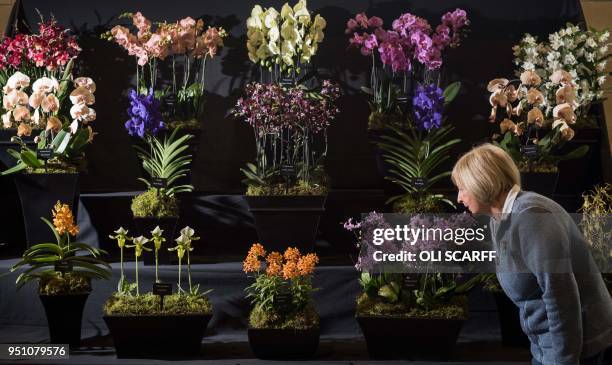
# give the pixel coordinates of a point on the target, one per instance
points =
(544, 264)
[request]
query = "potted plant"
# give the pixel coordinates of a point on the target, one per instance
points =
(64, 271)
(48, 113)
(46, 53)
(406, 310)
(283, 323)
(534, 141)
(583, 53)
(166, 161)
(287, 185)
(400, 64)
(158, 324)
(184, 47)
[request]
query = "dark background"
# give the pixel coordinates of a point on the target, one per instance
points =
(227, 143)
(219, 215)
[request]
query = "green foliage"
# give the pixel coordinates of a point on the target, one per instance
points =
(68, 153)
(272, 293)
(386, 293)
(491, 284)
(549, 151)
(152, 203)
(166, 159)
(411, 204)
(300, 188)
(41, 258)
(367, 306)
(303, 319)
(149, 304)
(413, 156)
(57, 283)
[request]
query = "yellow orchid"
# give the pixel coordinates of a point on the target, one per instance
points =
(157, 237)
(121, 236)
(139, 245)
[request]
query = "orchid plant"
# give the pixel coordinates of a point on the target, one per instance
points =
(410, 48)
(43, 258)
(121, 236)
(67, 128)
(582, 53)
(46, 54)
(386, 292)
(286, 123)
(187, 46)
(183, 246)
(532, 139)
(283, 290)
(283, 42)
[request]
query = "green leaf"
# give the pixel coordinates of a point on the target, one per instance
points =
(57, 237)
(30, 159)
(451, 92)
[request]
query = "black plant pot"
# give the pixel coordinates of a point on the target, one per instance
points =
(5, 144)
(38, 194)
(158, 336)
(64, 315)
(144, 226)
(193, 146)
(284, 221)
(283, 343)
(543, 183)
(409, 338)
(509, 322)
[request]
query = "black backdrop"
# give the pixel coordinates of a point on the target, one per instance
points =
(228, 143)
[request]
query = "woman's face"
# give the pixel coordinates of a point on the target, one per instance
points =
(466, 198)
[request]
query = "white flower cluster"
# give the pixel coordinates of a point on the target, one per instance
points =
(581, 53)
(40, 109)
(288, 38)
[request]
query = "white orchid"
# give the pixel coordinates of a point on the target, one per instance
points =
(45, 85)
(18, 81)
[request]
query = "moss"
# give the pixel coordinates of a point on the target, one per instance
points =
(536, 167)
(148, 304)
(152, 204)
(378, 120)
(301, 188)
(457, 308)
(304, 319)
(59, 283)
(410, 205)
(185, 124)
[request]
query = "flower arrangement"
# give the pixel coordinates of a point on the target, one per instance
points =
(284, 41)
(281, 294)
(532, 139)
(187, 46)
(47, 53)
(164, 160)
(435, 295)
(582, 53)
(411, 46)
(42, 259)
(129, 301)
(286, 122)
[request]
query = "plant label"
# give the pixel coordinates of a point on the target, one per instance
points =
(402, 100)
(63, 266)
(411, 281)
(283, 302)
(170, 100)
(44, 153)
(287, 170)
(287, 82)
(159, 182)
(530, 151)
(162, 289)
(419, 182)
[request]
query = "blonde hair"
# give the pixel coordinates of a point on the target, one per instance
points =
(486, 171)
